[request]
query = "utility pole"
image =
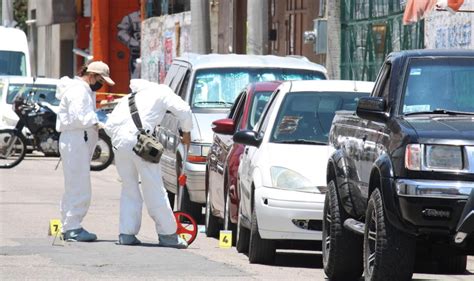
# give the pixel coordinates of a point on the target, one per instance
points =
(333, 54)
(257, 27)
(7, 13)
(200, 27)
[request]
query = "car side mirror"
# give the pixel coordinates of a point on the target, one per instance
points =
(372, 108)
(224, 126)
(247, 137)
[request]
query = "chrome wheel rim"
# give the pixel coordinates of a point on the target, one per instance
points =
(327, 236)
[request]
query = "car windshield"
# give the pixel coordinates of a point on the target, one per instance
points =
(259, 100)
(49, 92)
(12, 63)
(306, 117)
(218, 88)
(444, 85)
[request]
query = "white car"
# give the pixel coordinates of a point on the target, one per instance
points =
(10, 86)
(282, 173)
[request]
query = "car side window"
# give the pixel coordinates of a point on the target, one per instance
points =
(383, 83)
(233, 109)
(264, 118)
(239, 110)
(171, 75)
(182, 89)
(178, 79)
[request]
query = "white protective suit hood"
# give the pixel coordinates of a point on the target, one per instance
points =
(137, 85)
(64, 83)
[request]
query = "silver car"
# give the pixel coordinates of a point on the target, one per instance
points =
(210, 84)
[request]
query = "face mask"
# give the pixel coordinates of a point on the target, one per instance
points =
(96, 86)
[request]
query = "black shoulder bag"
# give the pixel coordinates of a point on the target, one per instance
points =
(147, 147)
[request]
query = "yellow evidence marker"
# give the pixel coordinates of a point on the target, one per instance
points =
(225, 239)
(54, 227)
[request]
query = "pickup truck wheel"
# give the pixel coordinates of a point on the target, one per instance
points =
(212, 225)
(243, 234)
(453, 264)
(260, 250)
(389, 254)
(342, 249)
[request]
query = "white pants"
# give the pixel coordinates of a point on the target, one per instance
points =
(76, 154)
(130, 167)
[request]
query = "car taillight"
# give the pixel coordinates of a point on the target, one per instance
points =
(197, 153)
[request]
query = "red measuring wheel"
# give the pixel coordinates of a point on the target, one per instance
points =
(187, 226)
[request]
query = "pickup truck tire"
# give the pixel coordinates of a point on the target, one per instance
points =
(389, 254)
(243, 234)
(260, 250)
(342, 249)
(453, 264)
(211, 222)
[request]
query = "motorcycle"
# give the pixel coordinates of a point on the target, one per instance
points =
(40, 119)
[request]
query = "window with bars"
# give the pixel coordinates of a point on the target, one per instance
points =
(370, 30)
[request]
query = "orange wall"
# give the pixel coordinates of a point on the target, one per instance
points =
(106, 15)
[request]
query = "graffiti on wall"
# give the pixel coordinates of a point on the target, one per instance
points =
(446, 30)
(163, 39)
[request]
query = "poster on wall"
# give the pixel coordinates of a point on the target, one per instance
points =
(129, 35)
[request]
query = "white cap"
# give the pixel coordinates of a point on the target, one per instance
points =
(102, 69)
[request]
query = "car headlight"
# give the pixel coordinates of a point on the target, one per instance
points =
(419, 157)
(284, 178)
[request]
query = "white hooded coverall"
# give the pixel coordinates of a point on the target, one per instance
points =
(152, 101)
(76, 118)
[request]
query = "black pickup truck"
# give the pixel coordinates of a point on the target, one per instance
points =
(401, 177)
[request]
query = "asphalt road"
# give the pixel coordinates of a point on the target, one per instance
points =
(29, 198)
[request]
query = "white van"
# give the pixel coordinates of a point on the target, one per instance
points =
(14, 54)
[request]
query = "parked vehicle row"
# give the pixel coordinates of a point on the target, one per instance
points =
(278, 196)
(210, 84)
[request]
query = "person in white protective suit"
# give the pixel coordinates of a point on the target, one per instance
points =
(78, 124)
(152, 101)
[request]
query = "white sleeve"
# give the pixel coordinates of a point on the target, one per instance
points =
(179, 108)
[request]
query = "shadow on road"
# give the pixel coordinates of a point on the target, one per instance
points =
(294, 259)
(432, 267)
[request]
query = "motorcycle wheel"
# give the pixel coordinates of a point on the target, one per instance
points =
(103, 154)
(12, 148)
